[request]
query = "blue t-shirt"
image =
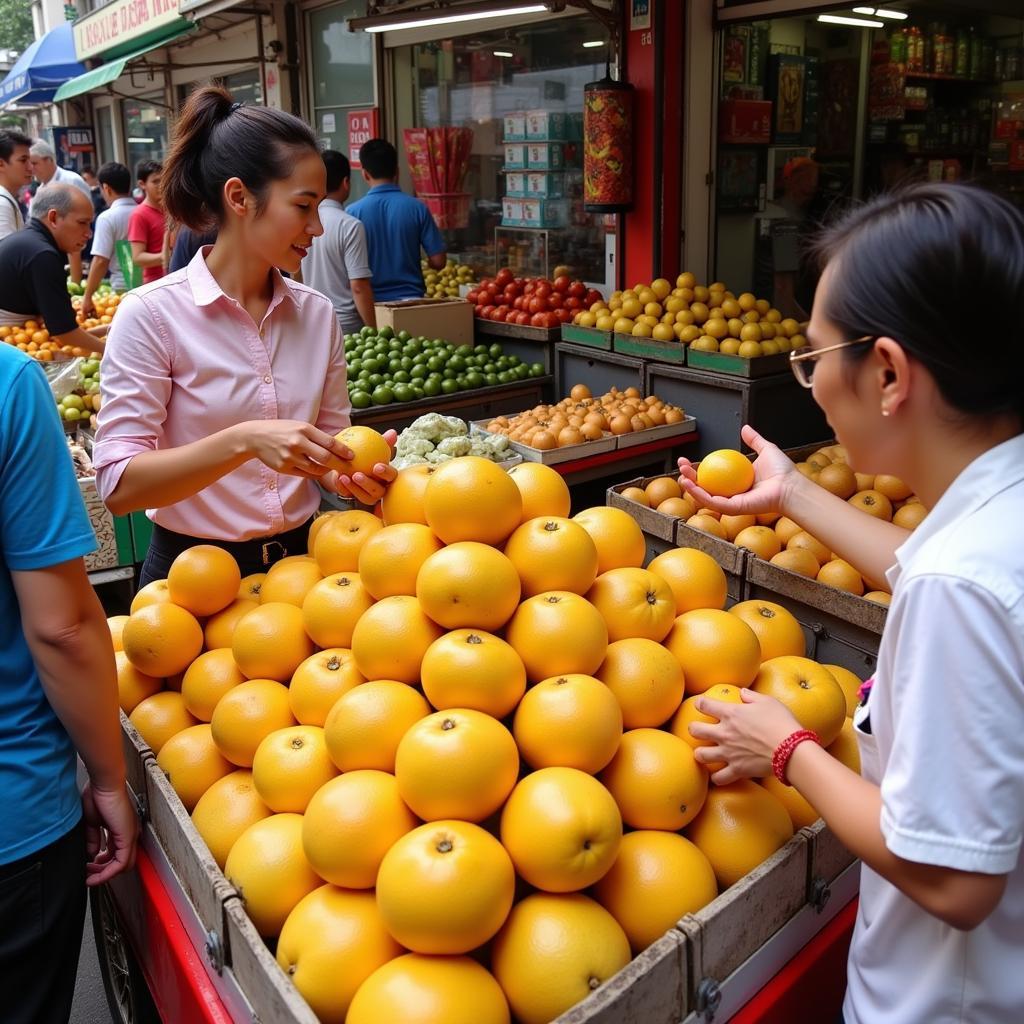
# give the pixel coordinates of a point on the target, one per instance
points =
(397, 226)
(43, 522)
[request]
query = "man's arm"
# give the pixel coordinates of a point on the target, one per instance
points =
(80, 338)
(362, 295)
(146, 259)
(438, 260)
(75, 266)
(97, 271)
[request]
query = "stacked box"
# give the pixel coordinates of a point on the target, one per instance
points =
(515, 127)
(515, 157)
(547, 126)
(545, 213)
(544, 156)
(512, 212)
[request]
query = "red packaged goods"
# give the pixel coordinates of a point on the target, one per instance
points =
(748, 121)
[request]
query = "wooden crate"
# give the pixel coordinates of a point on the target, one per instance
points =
(137, 759)
(492, 329)
(588, 336)
(650, 348)
(600, 371)
(827, 860)
(775, 406)
(738, 366)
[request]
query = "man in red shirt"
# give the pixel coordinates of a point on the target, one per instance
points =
(148, 224)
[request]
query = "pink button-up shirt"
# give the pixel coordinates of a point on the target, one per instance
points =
(184, 360)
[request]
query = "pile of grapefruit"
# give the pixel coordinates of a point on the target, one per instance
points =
(445, 758)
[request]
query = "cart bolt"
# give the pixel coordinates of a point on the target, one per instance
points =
(708, 998)
(820, 894)
(215, 951)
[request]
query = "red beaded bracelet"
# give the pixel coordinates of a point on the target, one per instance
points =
(784, 751)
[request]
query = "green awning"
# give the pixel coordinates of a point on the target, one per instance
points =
(113, 69)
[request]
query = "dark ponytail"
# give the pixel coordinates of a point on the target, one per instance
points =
(939, 268)
(216, 139)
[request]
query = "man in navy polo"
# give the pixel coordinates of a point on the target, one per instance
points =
(397, 227)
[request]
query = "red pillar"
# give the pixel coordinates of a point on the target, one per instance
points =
(652, 229)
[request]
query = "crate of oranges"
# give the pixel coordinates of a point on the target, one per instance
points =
(34, 339)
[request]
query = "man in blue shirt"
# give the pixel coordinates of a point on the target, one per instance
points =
(58, 696)
(397, 227)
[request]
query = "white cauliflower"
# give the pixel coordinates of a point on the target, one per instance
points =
(455, 446)
(411, 444)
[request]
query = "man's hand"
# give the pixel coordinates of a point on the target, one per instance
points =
(87, 306)
(111, 832)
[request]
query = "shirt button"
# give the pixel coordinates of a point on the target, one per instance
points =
(268, 379)
(272, 486)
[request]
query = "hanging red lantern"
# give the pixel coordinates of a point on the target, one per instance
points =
(607, 146)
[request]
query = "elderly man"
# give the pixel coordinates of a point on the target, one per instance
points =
(32, 282)
(47, 171)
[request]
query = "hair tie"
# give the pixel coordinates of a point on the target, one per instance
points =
(234, 107)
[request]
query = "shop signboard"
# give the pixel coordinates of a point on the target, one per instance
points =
(75, 147)
(362, 126)
(120, 22)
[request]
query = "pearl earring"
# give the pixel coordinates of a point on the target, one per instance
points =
(885, 412)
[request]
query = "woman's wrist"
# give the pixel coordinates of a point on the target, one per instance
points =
(794, 494)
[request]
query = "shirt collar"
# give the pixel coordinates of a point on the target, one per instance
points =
(35, 224)
(206, 290)
(332, 204)
(989, 474)
(123, 201)
(384, 188)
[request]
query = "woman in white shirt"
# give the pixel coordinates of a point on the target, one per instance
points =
(917, 354)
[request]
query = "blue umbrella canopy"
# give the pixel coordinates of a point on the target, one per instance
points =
(46, 65)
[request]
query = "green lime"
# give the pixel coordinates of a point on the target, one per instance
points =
(385, 332)
(449, 387)
(404, 393)
(360, 400)
(382, 395)
(431, 388)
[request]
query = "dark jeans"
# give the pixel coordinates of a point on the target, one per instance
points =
(252, 556)
(42, 911)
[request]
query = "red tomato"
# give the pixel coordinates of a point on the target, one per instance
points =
(555, 300)
(478, 310)
(562, 283)
(539, 320)
(554, 319)
(498, 315)
(573, 302)
(537, 305)
(503, 277)
(593, 295)
(578, 289)
(473, 296)
(522, 319)
(484, 282)
(486, 311)
(543, 289)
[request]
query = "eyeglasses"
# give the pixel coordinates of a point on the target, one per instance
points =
(803, 361)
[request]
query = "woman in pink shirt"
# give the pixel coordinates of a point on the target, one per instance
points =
(226, 381)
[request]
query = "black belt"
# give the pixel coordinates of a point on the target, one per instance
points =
(262, 550)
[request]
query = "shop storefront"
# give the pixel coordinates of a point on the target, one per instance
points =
(823, 108)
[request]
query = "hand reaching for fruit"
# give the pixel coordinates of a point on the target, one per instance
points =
(295, 448)
(774, 474)
(366, 470)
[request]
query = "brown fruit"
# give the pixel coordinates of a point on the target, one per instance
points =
(841, 575)
(892, 487)
(707, 524)
(874, 503)
(798, 560)
(681, 508)
(865, 481)
(910, 515)
(661, 488)
(839, 479)
(637, 494)
(804, 540)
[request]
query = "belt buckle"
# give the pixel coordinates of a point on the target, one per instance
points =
(266, 552)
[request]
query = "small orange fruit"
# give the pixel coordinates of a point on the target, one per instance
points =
(207, 680)
(192, 763)
(725, 473)
(553, 952)
(365, 726)
(681, 508)
(162, 639)
(777, 629)
(911, 516)
(133, 686)
(342, 537)
(270, 642)
(661, 489)
(470, 668)
(289, 766)
(445, 887)
(318, 683)
(203, 579)
(849, 683)
(550, 553)
(874, 503)
(735, 525)
(116, 626)
(840, 574)
(403, 500)
(456, 764)
(808, 689)
(225, 811)
(220, 628)
(707, 523)
(160, 717)
(714, 647)
(892, 487)
(696, 579)
(472, 499)
(333, 607)
(655, 780)
(391, 559)
(267, 866)
(637, 494)
(315, 527)
(558, 633)
(844, 747)
(417, 989)
(740, 826)
(634, 603)
(762, 540)
(657, 879)
(800, 812)
(390, 639)
(368, 448)
(839, 479)
(156, 592)
(570, 721)
(881, 597)
(562, 829)
(802, 540)
(350, 823)
(617, 536)
(250, 586)
(289, 581)
(645, 679)
(798, 560)
(330, 944)
(786, 529)
(468, 584)
(688, 714)
(246, 715)
(543, 490)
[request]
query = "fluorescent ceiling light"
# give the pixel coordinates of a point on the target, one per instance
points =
(430, 19)
(592, 43)
(838, 19)
(878, 12)
(503, 53)
(140, 140)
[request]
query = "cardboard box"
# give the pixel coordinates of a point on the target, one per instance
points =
(512, 212)
(543, 125)
(451, 319)
(515, 157)
(745, 121)
(515, 184)
(543, 156)
(545, 213)
(515, 127)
